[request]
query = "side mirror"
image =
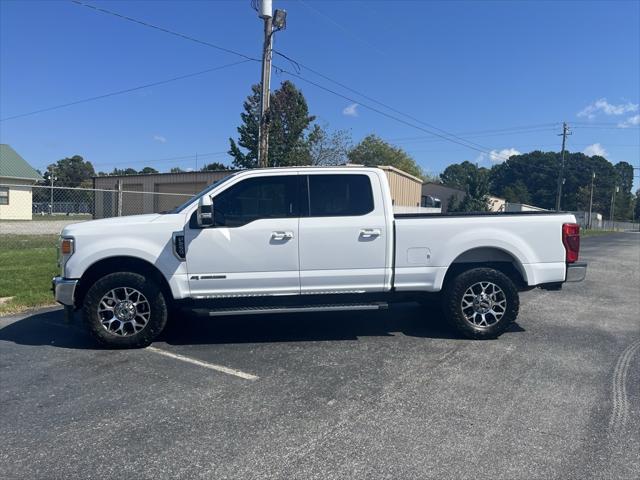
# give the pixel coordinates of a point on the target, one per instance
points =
(205, 211)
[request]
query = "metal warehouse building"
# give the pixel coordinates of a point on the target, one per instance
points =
(118, 195)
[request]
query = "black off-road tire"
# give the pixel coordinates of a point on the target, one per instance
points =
(157, 308)
(452, 303)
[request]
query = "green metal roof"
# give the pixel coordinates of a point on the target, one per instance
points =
(13, 165)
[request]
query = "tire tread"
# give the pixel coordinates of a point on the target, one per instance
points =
(150, 290)
(456, 288)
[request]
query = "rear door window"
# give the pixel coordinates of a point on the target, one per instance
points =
(339, 195)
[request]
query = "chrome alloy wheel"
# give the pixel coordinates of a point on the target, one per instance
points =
(483, 304)
(124, 311)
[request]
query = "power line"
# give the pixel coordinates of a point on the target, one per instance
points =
(127, 90)
(464, 143)
(477, 147)
(524, 147)
(605, 127)
(612, 124)
(344, 29)
(165, 30)
(507, 131)
(431, 139)
(444, 134)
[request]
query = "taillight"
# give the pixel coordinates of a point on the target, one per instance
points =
(571, 241)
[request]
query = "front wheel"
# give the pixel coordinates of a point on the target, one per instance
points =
(481, 303)
(125, 310)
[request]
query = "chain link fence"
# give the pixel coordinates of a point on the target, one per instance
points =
(36, 214)
(616, 225)
(597, 222)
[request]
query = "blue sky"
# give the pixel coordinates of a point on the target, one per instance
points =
(466, 67)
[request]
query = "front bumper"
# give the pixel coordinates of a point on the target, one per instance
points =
(576, 272)
(64, 290)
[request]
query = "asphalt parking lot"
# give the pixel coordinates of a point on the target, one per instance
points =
(385, 395)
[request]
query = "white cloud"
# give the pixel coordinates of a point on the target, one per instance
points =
(499, 156)
(351, 110)
(602, 106)
(160, 138)
(631, 121)
(595, 149)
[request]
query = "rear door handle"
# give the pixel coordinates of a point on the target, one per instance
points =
(370, 232)
(281, 235)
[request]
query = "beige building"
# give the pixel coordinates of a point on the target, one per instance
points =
(118, 195)
(406, 190)
(16, 179)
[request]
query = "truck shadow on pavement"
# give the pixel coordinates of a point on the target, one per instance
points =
(49, 328)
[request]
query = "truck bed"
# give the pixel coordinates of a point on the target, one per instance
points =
(531, 241)
(475, 214)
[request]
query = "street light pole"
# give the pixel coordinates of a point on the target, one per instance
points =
(51, 178)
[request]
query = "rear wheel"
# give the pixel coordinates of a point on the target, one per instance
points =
(125, 310)
(481, 303)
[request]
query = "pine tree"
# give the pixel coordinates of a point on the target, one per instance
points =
(289, 119)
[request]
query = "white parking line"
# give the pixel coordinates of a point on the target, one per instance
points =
(211, 366)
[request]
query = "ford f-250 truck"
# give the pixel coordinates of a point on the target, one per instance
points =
(307, 239)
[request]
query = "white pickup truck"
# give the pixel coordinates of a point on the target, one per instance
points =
(307, 239)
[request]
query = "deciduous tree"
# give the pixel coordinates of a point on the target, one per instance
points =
(72, 172)
(328, 148)
(373, 151)
(214, 166)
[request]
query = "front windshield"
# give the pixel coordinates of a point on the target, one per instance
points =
(180, 208)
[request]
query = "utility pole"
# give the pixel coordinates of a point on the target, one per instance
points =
(613, 202)
(565, 132)
(590, 224)
(272, 24)
(263, 136)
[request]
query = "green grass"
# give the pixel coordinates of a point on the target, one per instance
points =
(27, 264)
(594, 233)
(54, 218)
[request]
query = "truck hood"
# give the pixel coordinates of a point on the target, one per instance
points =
(106, 224)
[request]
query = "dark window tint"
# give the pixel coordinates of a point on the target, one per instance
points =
(339, 195)
(256, 198)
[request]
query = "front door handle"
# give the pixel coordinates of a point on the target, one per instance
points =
(370, 232)
(281, 235)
